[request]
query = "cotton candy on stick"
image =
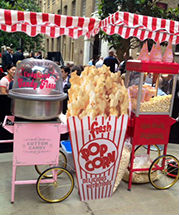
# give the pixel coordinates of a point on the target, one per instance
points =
(168, 55)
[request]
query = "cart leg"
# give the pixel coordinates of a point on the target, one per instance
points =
(13, 183)
(131, 168)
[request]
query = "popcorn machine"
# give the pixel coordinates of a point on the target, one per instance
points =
(152, 87)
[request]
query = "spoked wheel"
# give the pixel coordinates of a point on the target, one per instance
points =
(56, 188)
(153, 150)
(163, 172)
(62, 163)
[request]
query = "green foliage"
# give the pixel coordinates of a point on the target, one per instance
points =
(20, 39)
(143, 7)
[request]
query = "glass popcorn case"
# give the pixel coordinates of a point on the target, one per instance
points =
(151, 86)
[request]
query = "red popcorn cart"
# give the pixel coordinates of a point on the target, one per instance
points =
(152, 103)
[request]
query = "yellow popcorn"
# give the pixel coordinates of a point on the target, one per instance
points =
(157, 104)
(97, 92)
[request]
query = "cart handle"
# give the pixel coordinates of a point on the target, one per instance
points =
(9, 126)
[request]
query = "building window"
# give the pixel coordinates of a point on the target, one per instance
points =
(47, 45)
(53, 1)
(52, 45)
(95, 8)
(83, 7)
(162, 5)
(48, 3)
(64, 47)
(59, 44)
(65, 10)
(73, 8)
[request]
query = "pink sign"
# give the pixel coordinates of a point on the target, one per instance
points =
(97, 146)
(36, 143)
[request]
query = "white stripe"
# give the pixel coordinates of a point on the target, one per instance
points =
(39, 18)
(124, 32)
(2, 19)
(84, 185)
(145, 34)
(105, 135)
(28, 29)
(75, 21)
(131, 32)
(51, 19)
(112, 123)
(56, 32)
(118, 129)
(79, 132)
(116, 29)
(109, 29)
(48, 31)
(75, 34)
(8, 28)
(174, 39)
(153, 35)
(167, 26)
(66, 32)
(85, 129)
(149, 23)
(121, 17)
(14, 17)
(158, 24)
(160, 37)
(75, 152)
(27, 17)
(131, 19)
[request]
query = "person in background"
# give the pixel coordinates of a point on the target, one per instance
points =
(38, 55)
(122, 66)
(7, 59)
(31, 55)
(5, 82)
(76, 69)
(66, 85)
(111, 61)
(99, 63)
(91, 62)
(18, 55)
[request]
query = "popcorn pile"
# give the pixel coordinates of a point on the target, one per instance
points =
(157, 104)
(97, 92)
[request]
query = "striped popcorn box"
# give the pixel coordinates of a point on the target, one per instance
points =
(97, 147)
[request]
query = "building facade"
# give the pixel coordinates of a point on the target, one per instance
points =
(78, 51)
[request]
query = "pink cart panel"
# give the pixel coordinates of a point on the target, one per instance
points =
(36, 143)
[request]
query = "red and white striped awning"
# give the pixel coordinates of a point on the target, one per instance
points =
(52, 25)
(122, 23)
(128, 24)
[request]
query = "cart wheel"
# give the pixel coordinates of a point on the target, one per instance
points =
(62, 163)
(142, 149)
(56, 188)
(161, 170)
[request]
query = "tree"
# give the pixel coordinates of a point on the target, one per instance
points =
(20, 39)
(143, 7)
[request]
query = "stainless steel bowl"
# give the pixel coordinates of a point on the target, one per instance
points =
(30, 105)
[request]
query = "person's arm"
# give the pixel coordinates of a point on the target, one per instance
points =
(3, 90)
(117, 60)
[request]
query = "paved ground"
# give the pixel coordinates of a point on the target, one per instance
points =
(142, 199)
